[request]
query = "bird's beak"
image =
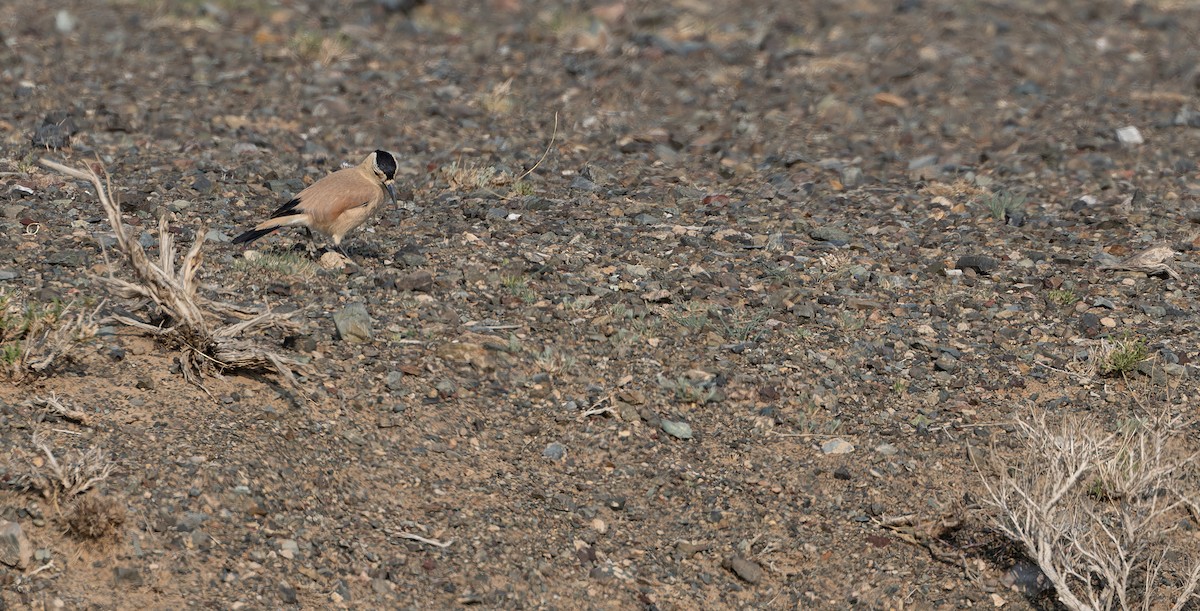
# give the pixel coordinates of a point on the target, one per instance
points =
(391, 188)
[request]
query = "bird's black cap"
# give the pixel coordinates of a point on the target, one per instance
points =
(386, 164)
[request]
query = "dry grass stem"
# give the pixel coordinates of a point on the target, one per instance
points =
(206, 344)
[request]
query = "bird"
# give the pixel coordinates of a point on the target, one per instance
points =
(336, 204)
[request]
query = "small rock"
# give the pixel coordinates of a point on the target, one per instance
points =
(216, 235)
(287, 593)
(65, 22)
(946, 363)
(837, 446)
(745, 570)
(1129, 136)
(395, 380)
(679, 430)
(9, 274)
(979, 263)
(332, 260)
(15, 549)
(288, 548)
(353, 323)
(419, 280)
(887, 449)
(127, 576)
(202, 184)
(555, 451)
(852, 176)
(832, 235)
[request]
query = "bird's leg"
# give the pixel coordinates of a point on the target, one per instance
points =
(312, 243)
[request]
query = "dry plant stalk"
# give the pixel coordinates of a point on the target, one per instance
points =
(1094, 509)
(1151, 261)
(204, 346)
(57, 479)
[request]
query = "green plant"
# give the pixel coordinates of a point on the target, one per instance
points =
(278, 264)
(518, 286)
(34, 335)
(1062, 297)
(743, 327)
(1121, 356)
(1002, 204)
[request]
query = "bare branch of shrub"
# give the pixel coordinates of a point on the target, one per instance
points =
(205, 342)
(1094, 509)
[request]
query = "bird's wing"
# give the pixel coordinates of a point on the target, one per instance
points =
(326, 199)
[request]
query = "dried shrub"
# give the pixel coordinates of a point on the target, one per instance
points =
(1095, 510)
(95, 516)
(195, 324)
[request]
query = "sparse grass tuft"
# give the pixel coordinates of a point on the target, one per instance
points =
(518, 286)
(554, 361)
(1120, 356)
(1062, 297)
(470, 176)
(35, 336)
(278, 264)
(1002, 204)
(498, 101)
(60, 479)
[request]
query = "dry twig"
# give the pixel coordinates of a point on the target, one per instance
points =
(1151, 261)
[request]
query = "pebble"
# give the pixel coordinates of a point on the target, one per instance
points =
(555, 451)
(353, 323)
(395, 380)
(979, 263)
(419, 280)
(680, 430)
(16, 551)
(746, 570)
(9, 274)
(837, 446)
(287, 593)
(1129, 136)
(127, 576)
(288, 548)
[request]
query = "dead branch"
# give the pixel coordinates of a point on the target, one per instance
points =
(207, 344)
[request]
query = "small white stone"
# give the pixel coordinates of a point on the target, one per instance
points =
(837, 446)
(1129, 136)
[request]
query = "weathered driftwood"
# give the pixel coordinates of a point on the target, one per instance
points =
(194, 323)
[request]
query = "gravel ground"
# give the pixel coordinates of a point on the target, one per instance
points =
(684, 305)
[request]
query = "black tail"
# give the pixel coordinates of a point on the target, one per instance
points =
(287, 209)
(252, 235)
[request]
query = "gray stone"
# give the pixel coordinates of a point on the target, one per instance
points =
(829, 234)
(979, 263)
(353, 324)
(745, 570)
(395, 380)
(127, 576)
(946, 363)
(852, 176)
(837, 446)
(555, 451)
(419, 280)
(15, 549)
(679, 430)
(215, 235)
(9, 274)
